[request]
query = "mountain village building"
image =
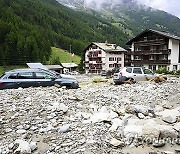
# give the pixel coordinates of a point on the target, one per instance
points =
(154, 49)
(103, 57)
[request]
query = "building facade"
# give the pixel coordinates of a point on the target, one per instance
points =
(103, 57)
(154, 49)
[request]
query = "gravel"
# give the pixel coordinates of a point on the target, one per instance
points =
(96, 118)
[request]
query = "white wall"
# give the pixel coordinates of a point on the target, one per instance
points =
(174, 56)
(112, 62)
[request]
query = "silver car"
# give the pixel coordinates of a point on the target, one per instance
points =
(132, 73)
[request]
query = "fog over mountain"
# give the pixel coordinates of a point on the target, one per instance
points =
(172, 6)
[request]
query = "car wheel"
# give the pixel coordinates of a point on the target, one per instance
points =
(115, 83)
(72, 86)
(130, 80)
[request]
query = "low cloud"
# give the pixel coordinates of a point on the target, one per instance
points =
(172, 6)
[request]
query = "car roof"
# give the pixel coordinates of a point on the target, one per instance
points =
(24, 70)
(133, 67)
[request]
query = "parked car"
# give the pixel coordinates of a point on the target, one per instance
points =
(103, 73)
(34, 78)
(132, 73)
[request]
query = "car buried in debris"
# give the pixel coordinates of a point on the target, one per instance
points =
(35, 78)
(133, 74)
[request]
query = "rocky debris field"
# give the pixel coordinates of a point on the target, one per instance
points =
(97, 118)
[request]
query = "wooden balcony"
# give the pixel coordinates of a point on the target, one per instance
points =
(151, 61)
(151, 52)
(150, 42)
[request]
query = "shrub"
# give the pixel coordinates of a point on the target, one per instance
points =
(97, 79)
(162, 70)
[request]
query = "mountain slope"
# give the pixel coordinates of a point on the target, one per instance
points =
(129, 16)
(63, 56)
(29, 27)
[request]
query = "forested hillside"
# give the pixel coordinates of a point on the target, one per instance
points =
(129, 16)
(28, 29)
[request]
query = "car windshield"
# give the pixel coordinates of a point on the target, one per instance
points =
(147, 71)
(55, 74)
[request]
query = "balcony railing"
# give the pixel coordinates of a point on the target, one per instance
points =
(151, 61)
(150, 52)
(150, 42)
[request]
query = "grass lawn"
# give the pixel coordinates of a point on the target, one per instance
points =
(7, 68)
(64, 56)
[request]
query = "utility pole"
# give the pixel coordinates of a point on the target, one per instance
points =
(70, 57)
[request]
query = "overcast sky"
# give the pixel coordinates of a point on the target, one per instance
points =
(170, 6)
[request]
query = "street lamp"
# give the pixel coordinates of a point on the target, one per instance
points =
(70, 57)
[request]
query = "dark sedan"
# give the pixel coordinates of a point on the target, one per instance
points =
(34, 78)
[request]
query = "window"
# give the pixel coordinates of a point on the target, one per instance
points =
(163, 47)
(137, 57)
(118, 65)
(137, 48)
(129, 70)
(163, 57)
(94, 47)
(43, 75)
(179, 54)
(152, 67)
(152, 57)
(162, 66)
(174, 67)
(13, 76)
(152, 48)
(145, 38)
(137, 71)
(119, 59)
(25, 75)
(147, 71)
(111, 59)
(111, 65)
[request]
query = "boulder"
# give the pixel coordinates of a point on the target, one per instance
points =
(141, 116)
(150, 131)
(33, 146)
(117, 143)
(134, 131)
(170, 116)
(103, 115)
(59, 106)
(177, 127)
(64, 128)
(23, 148)
(115, 124)
(167, 132)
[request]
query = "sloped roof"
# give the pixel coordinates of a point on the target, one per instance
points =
(54, 66)
(36, 65)
(165, 34)
(109, 47)
(68, 65)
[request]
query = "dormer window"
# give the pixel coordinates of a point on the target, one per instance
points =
(94, 47)
(145, 38)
